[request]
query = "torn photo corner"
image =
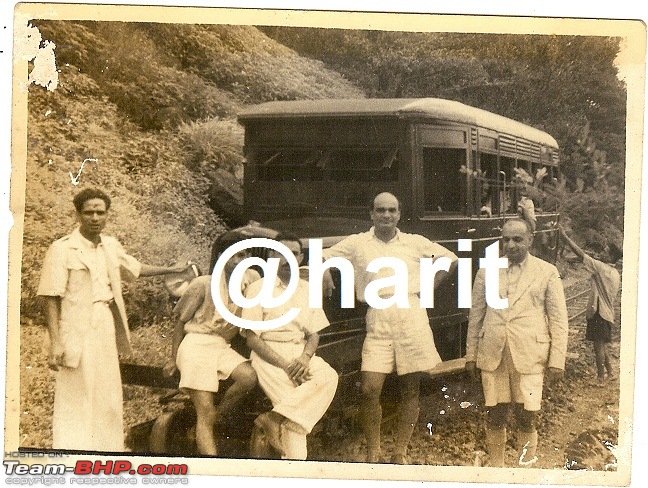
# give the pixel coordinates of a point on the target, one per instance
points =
(148, 140)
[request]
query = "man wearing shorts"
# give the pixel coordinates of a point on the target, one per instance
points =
(202, 353)
(604, 288)
(514, 347)
(300, 385)
(398, 339)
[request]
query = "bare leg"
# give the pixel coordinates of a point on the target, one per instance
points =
(599, 353)
(371, 412)
(245, 380)
(206, 417)
(409, 413)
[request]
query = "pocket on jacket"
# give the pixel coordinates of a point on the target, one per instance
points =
(78, 274)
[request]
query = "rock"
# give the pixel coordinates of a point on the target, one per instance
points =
(589, 451)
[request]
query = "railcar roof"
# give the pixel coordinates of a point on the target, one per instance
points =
(431, 108)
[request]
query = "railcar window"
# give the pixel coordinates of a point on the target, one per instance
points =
(354, 164)
(443, 182)
(363, 165)
(290, 164)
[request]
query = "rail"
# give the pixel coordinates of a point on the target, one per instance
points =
(575, 297)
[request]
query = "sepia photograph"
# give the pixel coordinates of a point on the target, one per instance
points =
(323, 244)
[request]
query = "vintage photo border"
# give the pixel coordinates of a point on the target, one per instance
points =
(391, 21)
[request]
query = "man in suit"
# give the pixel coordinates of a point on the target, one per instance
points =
(82, 291)
(515, 346)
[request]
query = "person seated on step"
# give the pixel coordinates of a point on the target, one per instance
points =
(300, 385)
(202, 353)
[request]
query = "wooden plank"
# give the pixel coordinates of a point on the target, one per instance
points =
(138, 374)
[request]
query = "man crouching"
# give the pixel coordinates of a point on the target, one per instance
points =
(300, 385)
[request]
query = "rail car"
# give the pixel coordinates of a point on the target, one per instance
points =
(313, 167)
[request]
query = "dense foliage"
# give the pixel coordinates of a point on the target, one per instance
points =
(565, 85)
(151, 110)
(155, 105)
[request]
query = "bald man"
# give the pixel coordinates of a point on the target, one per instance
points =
(515, 347)
(398, 339)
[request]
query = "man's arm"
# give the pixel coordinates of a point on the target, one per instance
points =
(178, 334)
(52, 286)
(53, 313)
(343, 249)
(526, 211)
(556, 310)
(298, 368)
(573, 246)
(149, 270)
(435, 250)
(265, 352)
(190, 301)
(475, 322)
(131, 268)
(441, 277)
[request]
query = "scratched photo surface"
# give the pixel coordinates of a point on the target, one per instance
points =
(161, 110)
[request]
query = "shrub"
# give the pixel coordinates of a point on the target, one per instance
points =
(216, 141)
(247, 63)
(159, 212)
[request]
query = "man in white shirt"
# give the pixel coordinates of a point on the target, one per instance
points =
(81, 285)
(398, 339)
(300, 384)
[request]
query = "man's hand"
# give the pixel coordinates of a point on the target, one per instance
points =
(327, 283)
(471, 368)
(297, 370)
(170, 368)
(56, 355)
(555, 374)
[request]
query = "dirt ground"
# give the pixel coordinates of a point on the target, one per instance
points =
(450, 430)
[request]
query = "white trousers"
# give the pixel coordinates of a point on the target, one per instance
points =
(88, 406)
(305, 404)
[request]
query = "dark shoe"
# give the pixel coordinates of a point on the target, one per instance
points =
(271, 426)
(399, 459)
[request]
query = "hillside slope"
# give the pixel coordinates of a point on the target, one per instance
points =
(151, 110)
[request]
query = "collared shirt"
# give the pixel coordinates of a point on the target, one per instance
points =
(604, 288)
(307, 322)
(65, 257)
(101, 291)
(513, 274)
(361, 249)
(196, 306)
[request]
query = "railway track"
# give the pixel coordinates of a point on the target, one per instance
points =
(577, 303)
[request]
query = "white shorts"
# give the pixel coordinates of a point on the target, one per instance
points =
(399, 339)
(506, 384)
(204, 360)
